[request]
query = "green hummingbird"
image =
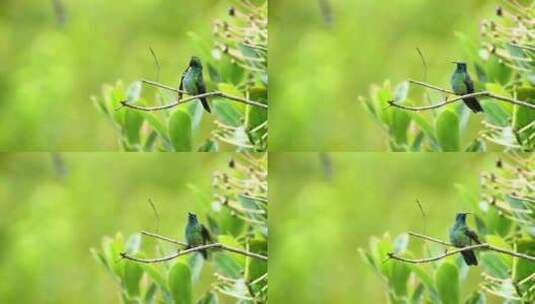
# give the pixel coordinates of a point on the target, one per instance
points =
(196, 234)
(192, 82)
(461, 236)
(462, 84)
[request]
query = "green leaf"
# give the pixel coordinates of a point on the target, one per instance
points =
(400, 276)
(447, 129)
(495, 114)
(133, 120)
(493, 265)
(227, 112)
(255, 115)
(180, 283)
(180, 131)
(255, 268)
(132, 275)
(476, 298)
(227, 265)
(208, 298)
(195, 262)
(209, 145)
(196, 111)
(401, 121)
(447, 283)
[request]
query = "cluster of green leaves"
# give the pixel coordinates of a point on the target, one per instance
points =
(236, 217)
(235, 125)
(505, 69)
(506, 222)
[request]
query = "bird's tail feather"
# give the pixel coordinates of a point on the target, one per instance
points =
(473, 104)
(205, 105)
(469, 257)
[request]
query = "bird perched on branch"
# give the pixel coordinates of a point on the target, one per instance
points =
(462, 84)
(461, 236)
(192, 82)
(196, 234)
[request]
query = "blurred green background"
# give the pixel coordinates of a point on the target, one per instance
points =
(320, 215)
(55, 209)
(49, 68)
(318, 69)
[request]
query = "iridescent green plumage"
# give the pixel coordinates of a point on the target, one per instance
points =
(462, 84)
(192, 82)
(461, 236)
(196, 234)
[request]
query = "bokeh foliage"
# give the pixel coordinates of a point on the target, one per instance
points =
(324, 208)
(236, 215)
(55, 208)
(504, 218)
(319, 67)
(502, 64)
(235, 64)
(50, 68)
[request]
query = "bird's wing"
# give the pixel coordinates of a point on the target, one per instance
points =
(205, 234)
(473, 236)
(201, 88)
(469, 85)
(181, 85)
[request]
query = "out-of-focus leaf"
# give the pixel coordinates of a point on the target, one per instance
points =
(400, 124)
(401, 242)
(227, 265)
(256, 267)
(447, 283)
(226, 112)
(209, 146)
(231, 242)
(500, 243)
(400, 276)
(477, 145)
(195, 262)
(495, 113)
(133, 120)
(150, 295)
(493, 265)
(476, 298)
(447, 131)
(132, 276)
(180, 283)
(180, 131)
(208, 298)
(196, 111)
(256, 115)
(133, 92)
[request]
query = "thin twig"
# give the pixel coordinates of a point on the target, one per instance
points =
(156, 215)
(459, 97)
(194, 249)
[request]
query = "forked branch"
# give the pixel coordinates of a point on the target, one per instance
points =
(456, 99)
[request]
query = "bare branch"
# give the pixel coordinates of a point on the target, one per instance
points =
(456, 251)
(457, 98)
(188, 99)
(194, 249)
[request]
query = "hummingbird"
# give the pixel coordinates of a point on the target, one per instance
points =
(461, 236)
(462, 84)
(196, 234)
(192, 82)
